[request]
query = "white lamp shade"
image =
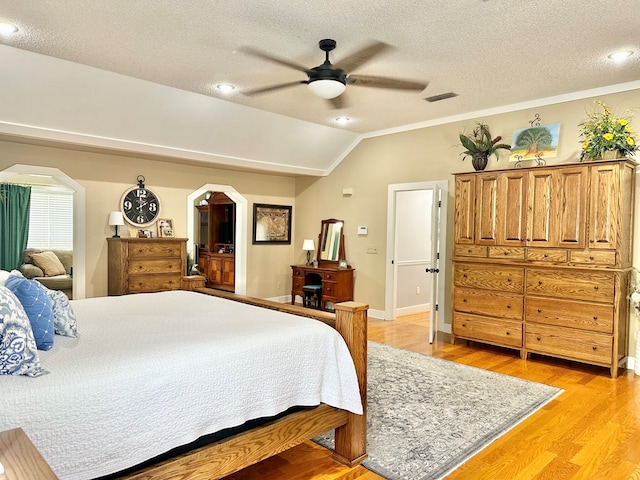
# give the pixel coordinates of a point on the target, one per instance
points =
(116, 218)
(308, 245)
(326, 88)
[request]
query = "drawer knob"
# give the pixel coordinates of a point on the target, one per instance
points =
(539, 282)
(591, 241)
(508, 280)
(464, 300)
(539, 311)
(594, 348)
(508, 332)
(538, 338)
(464, 275)
(508, 306)
(545, 255)
(505, 253)
(464, 325)
(596, 287)
(590, 258)
(595, 317)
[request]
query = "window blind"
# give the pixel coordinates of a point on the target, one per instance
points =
(51, 218)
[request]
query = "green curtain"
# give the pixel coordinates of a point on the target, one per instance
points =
(14, 224)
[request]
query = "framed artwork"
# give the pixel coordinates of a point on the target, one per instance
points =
(537, 141)
(145, 234)
(165, 228)
(271, 223)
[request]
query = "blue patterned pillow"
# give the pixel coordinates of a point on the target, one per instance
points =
(64, 318)
(35, 301)
(18, 354)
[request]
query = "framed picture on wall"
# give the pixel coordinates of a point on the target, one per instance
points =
(271, 223)
(165, 228)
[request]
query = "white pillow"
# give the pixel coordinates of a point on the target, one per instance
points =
(3, 277)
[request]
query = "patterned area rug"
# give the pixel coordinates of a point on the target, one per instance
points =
(427, 416)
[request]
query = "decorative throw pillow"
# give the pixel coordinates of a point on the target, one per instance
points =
(49, 263)
(64, 318)
(3, 276)
(35, 301)
(18, 353)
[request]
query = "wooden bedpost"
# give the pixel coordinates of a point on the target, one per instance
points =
(351, 439)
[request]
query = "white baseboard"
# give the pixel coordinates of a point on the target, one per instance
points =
(631, 362)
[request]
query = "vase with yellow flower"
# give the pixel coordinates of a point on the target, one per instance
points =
(606, 136)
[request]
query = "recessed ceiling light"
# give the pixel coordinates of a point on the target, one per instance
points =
(342, 120)
(7, 28)
(620, 55)
(225, 87)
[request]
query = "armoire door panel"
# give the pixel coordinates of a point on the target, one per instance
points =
(541, 216)
(486, 210)
(604, 218)
(511, 208)
(572, 208)
(464, 223)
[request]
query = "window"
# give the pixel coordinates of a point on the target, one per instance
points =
(51, 218)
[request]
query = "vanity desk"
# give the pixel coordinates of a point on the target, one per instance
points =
(330, 269)
(337, 284)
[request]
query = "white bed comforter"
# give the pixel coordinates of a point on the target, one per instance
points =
(150, 372)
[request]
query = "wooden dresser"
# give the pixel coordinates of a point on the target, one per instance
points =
(138, 265)
(542, 260)
(337, 284)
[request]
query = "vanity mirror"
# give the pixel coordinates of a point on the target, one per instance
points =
(331, 241)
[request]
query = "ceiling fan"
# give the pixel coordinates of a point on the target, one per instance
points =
(329, 81)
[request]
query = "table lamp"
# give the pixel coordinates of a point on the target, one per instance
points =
(308, 246)
(116, 219)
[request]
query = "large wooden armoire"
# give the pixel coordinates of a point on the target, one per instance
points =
(542, 260)
(216, 241)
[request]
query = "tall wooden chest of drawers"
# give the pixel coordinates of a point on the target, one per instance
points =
(139, 265)
(542, 260)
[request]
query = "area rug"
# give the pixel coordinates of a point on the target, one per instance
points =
(427, 416)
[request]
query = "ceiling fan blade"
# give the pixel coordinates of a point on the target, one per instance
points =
(271, 88)
(362, 56)
(385, 82)
(271, 58)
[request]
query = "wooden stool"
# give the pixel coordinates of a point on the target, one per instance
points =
(312, 296)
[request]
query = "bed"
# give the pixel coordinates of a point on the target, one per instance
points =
(150, 372)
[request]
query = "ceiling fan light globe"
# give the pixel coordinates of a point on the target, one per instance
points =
(326, 89)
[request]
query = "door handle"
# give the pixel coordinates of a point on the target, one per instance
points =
(432, 270)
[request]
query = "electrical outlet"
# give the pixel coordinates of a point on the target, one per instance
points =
(417, 290)
(372, 249)
(278, 285)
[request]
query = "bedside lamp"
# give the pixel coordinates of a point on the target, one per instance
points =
(116, 219)
(308, 246)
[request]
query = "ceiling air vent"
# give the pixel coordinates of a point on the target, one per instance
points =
(442, 96)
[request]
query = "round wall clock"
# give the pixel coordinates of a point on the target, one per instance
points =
(139, 205)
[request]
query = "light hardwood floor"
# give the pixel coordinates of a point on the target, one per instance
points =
(591, 431)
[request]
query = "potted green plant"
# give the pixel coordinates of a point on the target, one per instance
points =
(605, 136)
(480, 146)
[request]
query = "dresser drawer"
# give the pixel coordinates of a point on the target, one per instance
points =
(154, 283)
(489, 277)
(569, 343)
(155, 266)
(572, 284)
(151, 248)
(329, 289)
(469, 251)
(298, 272)
(487, 302)
(492, 330)
(511, 253)
(567, 313)
(546, 255)
(593, 258)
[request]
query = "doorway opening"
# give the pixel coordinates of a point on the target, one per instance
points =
(416, 247)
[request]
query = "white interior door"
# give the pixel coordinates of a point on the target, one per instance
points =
(414, 245)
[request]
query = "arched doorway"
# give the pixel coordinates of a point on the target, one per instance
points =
(79, 275)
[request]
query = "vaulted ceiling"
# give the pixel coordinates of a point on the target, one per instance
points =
(490, 53)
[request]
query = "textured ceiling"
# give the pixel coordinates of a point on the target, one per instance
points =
(491, 53)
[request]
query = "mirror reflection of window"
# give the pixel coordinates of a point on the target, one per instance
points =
(330, 248)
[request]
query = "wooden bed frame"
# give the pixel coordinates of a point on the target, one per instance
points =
(234, 453)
